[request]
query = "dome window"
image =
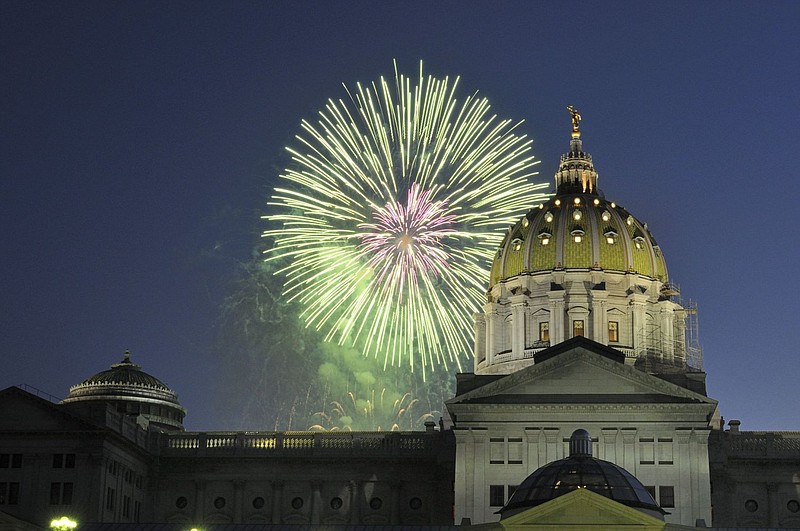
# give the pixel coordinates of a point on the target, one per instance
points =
(557, 202)
(611, 237)
(577, 200)
(548, 217)
(606, 215)
(544, 237)
(639, 242)
(613, 205)
(525, 222)
(629, 221)
(596, 201)
(516, 244)
(577, 235)
(577, 215)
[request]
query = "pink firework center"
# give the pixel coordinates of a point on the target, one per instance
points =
(406, 241)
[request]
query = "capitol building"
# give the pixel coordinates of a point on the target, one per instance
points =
(586, 408)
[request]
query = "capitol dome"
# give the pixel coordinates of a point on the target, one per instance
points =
(582, 265)
(581, 471)
(578, 229)
(133, 392)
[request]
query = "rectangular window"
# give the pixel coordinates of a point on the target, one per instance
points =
(577, 327)
(126, 506)
(55, 493)
(69, 460)
(16, 460)
(136, 511)
(497, 451)
(514, 451)
(544, 331)
(497, 495)
(110, 499)
(9, 493)
(613, 332)
(646, 451)
(58, 460)
(61, 494)
(665, 451)
(5, 459)
(666, 496)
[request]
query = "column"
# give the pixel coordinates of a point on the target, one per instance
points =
(518, 328)
(238, 500)
(199, 500)
(638, 302)
(355, 502)
(316, 501)
(277, 501)
(599, 317)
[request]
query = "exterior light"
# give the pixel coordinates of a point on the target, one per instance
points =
(557, 202)
(545, 241)
(606, 216)
(525, 222)
(577, 200)
(613, 204)
(63, 524)
(629, 221)
(610, 240)
(576, 215)
(596, 201)
(541, 206)
(578, 238)
(548, 217)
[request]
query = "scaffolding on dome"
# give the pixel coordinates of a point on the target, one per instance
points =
(676, 351)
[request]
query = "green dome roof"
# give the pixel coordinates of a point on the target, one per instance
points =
(578, 229)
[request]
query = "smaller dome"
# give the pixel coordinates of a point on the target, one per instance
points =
(133, 392)
(581, 471)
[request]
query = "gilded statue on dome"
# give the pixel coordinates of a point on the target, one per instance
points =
(576, 119)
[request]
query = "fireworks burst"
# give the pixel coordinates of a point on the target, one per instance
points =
(393, 208)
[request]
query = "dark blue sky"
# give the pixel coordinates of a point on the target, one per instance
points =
(140, 141)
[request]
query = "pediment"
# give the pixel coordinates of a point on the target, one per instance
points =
(580, 374)
(582, 508)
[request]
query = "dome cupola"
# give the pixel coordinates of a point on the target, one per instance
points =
(132, 392)
(581, 471)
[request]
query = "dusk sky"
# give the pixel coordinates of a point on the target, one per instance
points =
(141, 140)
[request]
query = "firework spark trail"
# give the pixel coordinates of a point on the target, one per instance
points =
(396, 200)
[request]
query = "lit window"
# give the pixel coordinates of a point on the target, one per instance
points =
(606, 215)
(525, 222)
(516, 244)
(544, 237)
(629, 221)
(544, 331)
(577, 235)
(596, 201)
(548, 217)
(639, 242)
(541, 206)
(613, 205)
(577, 200)
(577, 215)
(613, 331)
(557, 202)
(577, 328)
